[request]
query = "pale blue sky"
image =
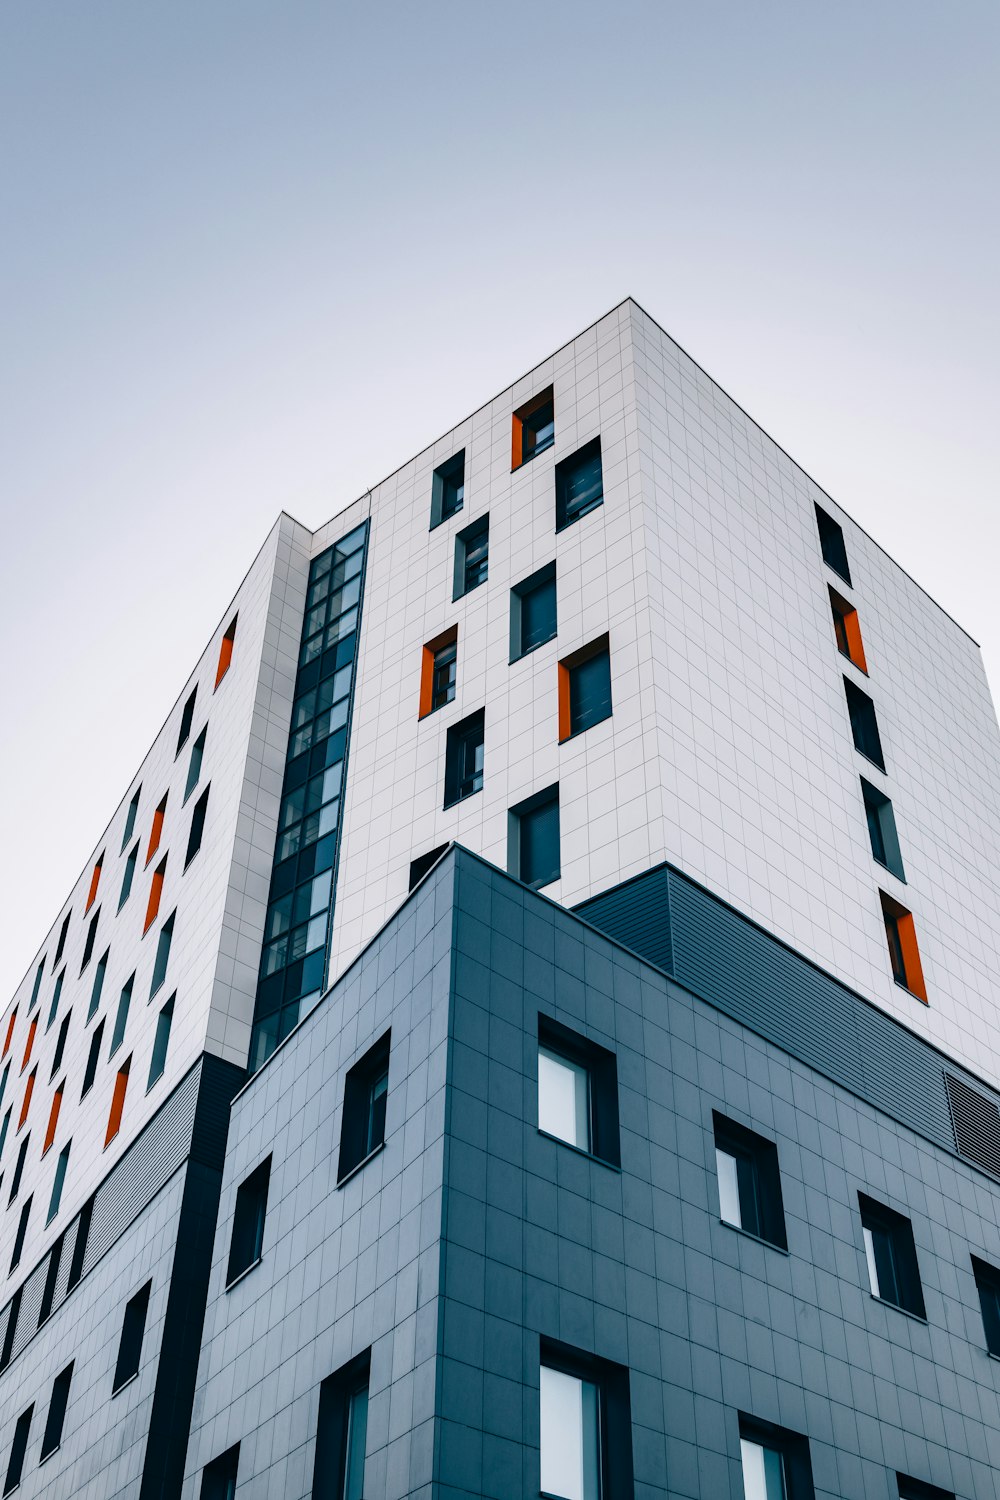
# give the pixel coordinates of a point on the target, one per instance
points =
(254, 255)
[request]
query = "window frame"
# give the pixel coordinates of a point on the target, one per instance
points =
(358, 1142)
(56, 1417)
(758, 1185)
(904, 952)
(477, 531)
(249, 1222)
(895, 1250)
(987, 1279)
(601, 1068)
(424, 864)
(448, 639)
(468, 733)
(542, 578)
(521, 418)
(832, 544)
(864, 724)
(572, 721)
(568, 510)
(614, 1420)
(847, 630)
(337, 1396)
(538, 802)
(880, 819)
(793, 1448)
(131, 1339)
(220, 1475)
(443, 478)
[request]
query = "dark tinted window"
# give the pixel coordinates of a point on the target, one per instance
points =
(342, 1433)
(882, 828)
(187, 719)
(864, 724)
(831, 541)
(533, 612)
(18, 1448)
(891, 1256)
(464, 758)
(57, 1412)
(366, 1090)
(197, 826)
(420, 866)
(448, 489)
(130, 1344)
(472, 556)
(248, 1222)
(218, 1481)
(533, 839)
(749, 1182)
(579, 484)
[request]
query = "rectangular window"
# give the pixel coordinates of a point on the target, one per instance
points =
(121, 1018)
(29, 1043)
(118, 1102)
(579, 484)
(226, 651)
(80, 1244)
(162, 954)
(533, 428)
(187, 720)
(988, 1286)
(93, 1056)
(161, 1041)
(472, 557)
(464, 758)
(864, 724)
(533, 839)
(56, 995)
(54, 1108)
(366, 1090)
(891, 1255)
(584, 688)
(62, 940)
(95, 881)
(421, 866)
(342, 1433)
(128, 876)
(577, 1091)
(218, 1481)
(533, 612)
(585, 1427)
(57, 1411)
(448, 489)
(130, 817)
(29, 1089)
(3, 1090)
(831, 541)
(14, 1309)
(247, 1243)
(58, 1180)
(917, 1489)
(438, 670)
(10, 1031)
(847, 630)
(156, 831)
(775, 1462)
(98, 986)
(19, 1168)
(904, 955)
(882, 829)
(155, 892)
(5, 1127)
(22, 1230)
(18, 1448)
(749, 1181)
(197, 830)
(60, 1045)
(195, 763)
(88, 947)
(36, 987)
(51, 1276)
(130, 1344)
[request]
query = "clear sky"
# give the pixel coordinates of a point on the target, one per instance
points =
(255, 255)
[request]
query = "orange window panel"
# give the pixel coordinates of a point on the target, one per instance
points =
(847, 628)
(226, 651)
(10, 1032)
(446, 638)
(29, 1043)
(95, 881)
(598, 647)
(118, 1101)
(156, 832)
(904, 955)
(155, 892)
(523, 413)
(50, 1129)
(29, 1089)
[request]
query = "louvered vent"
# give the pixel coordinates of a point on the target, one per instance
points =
(975, 1119)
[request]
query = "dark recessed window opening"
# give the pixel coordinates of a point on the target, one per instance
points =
(51, 1276)
(195, 763)
(187, 719)
(749, 1181)
(93, 1057)
(88, 947)
(882, 829)
(864, 724)
(130, 817)
(891, 1257)
(775, 1462)
(847, 630)
(533, 612)
(533, 839)
(161, 1041)
(226, 651)
(918, 1489)
(162, 954)
(19, 1169)
(56, 996)
(218, 1480)
(901, 939)
(585, 1425)
(464, 758)
(22, 1229)
(831, 541)
(533, 428)
(197, 826)
(36, 987)
(247, 1243)
(448, 489)
(57, 1056)
(472, 556)
(438, 671)
(585, 688)
(57, 1411)
(130, 1344)
(58, 1182)
(80, 1244)
(577, 1091)
(128, 876)
(13, 1313)
(342, 1433)
(121, 1018)
(988, 1286)
(425, 862)
(579, 484)
(98, 985)
(18, 1448)
(64, 929)
(366, 1092)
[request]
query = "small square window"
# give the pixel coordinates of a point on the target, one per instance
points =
(847, 630)
(749, 1181)
(904, 955)
(585, 688)
(130, 1344)
(864, 724)
(464, 758)
(585, 1425)
(247, 1243)
(218, 1480)
(579, 484)
(342, 1432)
(988, 1286)
(882, 829)
(533, 612)
(426, 862)
(533, 428)
(366, 1092)
(448, 489)
(577, 1091)
(775, 1462)
(533, 839)
(472, 556)
(831, 541)
(438, 671)
(891, 1256)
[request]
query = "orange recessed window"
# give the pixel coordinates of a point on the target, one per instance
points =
(10, 1031)
(50, 1129)
(155, 892)
(95, 881)
(156, 832)
(584, 688)
(29, 1043)
(904, 955)
(226, 651)
(533, 428)
(437, 671)
(29, 1089)
(118, 1101)
(847, 629)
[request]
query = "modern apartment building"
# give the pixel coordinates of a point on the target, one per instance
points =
(529, 1027)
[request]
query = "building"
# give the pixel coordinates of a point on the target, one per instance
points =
(528, 1028)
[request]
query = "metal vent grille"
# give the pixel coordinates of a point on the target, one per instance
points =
(975, 1119)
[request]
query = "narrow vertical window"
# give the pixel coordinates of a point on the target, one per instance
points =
(882, 829)
(15, 1184)
(472, 557)
(36, 987)
(29, 1043)
(54, 1108)
(533, 428)
(118, 1102)
(130, 817)
(95, 881)
(904, 955)
(988, 1287)
(533, 612)
(98, 986)
(226, 650)
(56, 995)
(13, 1313)
(891, 1257)
(56, 1418)
(342, 1433)
(579, 484)
(18, 1448)
(62, 940)
(448, 489)
(29, 1089)
(156, 831)
(10, 1031)
(749, 1181)
(130, 1343)
(533, 839)
(57, 1056)
(247, 1242)
(419, 867)
(161, 1041)
(464, 758)
(194, 764)
(187, 719)
(585, 688)
(51, 1276)
(88, 947)
(58, 1180)
(121, 1018)
(5, 1127)
(197, 831)
(218, 1480)
(775, 1462)
(832, 546)
(128, 875)
(80, 1244)
(162, 954)
(864, 724)
(366, 1089)
(577, 1091)
(22, 1230)
(438, 669)
(155, 892)
(93, 1056)
(847, 630)
(3, 1086)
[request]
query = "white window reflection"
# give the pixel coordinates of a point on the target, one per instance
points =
(763, 1472)
(569, 1436)
(563, 1099)
(729, 1188)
